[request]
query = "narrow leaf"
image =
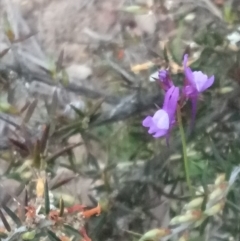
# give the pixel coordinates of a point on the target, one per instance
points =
(165, 54)
(54, 103)
(59, 61)
(5, 222)
(19, 145)
(62, 151)
(61, 207)
(44, 138)
(5, 51)
(61, 183)
(36, 155)
(8, 28)
(78, 111)
(30, 111)
(23, 38)
(12, 215)
(25, 198)
(46, 196)
(64, 78)
(95, 107)
(52, 236)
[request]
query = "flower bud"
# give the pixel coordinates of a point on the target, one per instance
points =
(195, 203)
(155, 234)
(184, 237)
(215, 209)
(191, 215)
(218, 193)
(220, 179)
(175, 220)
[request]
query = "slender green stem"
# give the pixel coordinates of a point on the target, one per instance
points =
(184, 148)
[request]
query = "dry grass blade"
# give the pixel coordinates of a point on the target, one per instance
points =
(36, 155)
(61, 207)
(8, 29)
(62, 182)
(14, 196)
(127, 77)
(26, 105)
(54, 104)
(10, 120)
(5, 222)
(21, 146)
(52, 236)
(95, 107)
(59, 63)
(62, 151)
(23, 38)
(25, 198)
(46, 198)
(44, 138)
(13, 216)
(4, 52)
(212, 8)
(31, 108)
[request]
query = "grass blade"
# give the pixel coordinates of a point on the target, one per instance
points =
(5, 222)
(12, 215)
(46, 196)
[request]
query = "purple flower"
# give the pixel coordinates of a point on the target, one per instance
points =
(165, 79)
(195, 83)
(162, 121)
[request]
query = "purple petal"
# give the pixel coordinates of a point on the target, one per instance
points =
(185, 60)
(160, 133)
(161, 120)
(208, 83)
(189, 91)
(162, 74)
(170, 102)
(165, 79)
(153, 129)
(200, 79)
(189, 76)
(147, 122)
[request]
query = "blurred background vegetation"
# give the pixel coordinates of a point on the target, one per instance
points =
(77, 79)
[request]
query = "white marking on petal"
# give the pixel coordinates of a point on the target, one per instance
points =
(161, 119)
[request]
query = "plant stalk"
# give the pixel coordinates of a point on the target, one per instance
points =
(184, 149)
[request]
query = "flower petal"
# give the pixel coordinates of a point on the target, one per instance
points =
(208, 83)
(170, 102)
(162, 74)
(161, 120)
(165, 79)
(200, 79)
(185, 60)
(147, 122)
(160, 133)
(189, 76)
(153, 129)
(189, 91)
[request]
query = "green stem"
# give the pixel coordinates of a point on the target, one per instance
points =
(184, 148)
